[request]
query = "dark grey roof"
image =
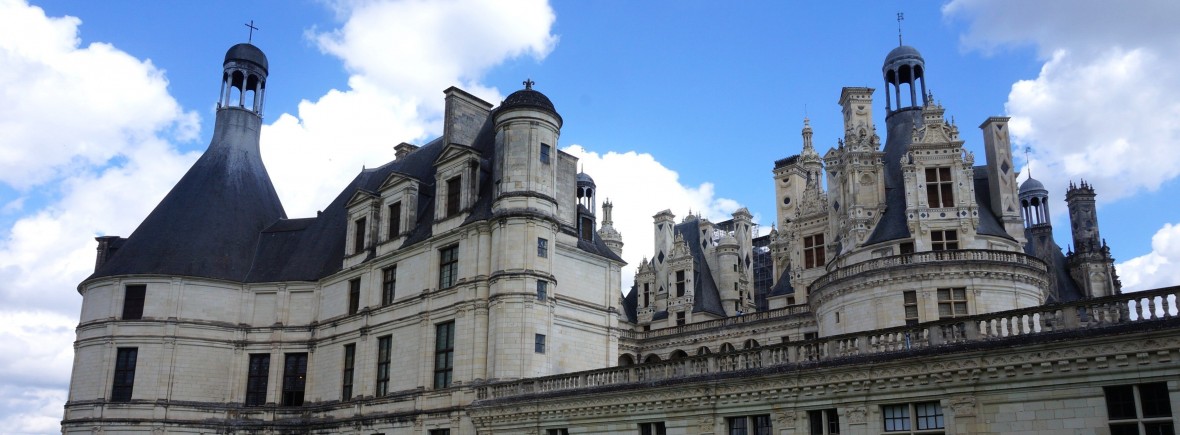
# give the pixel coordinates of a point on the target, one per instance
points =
(783, 285)
(903, 53)
(584, 178)
(529, 98)
(1031, 185)
(631, 304)
(210, 223)
(706, 298)
(1041, 245)
(892, 225)
(989, 222)
(249, 53)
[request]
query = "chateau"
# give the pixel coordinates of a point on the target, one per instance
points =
(469, 287)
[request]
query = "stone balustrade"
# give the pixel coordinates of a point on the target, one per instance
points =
(927, 258)
(757, 316)
(1090, 314)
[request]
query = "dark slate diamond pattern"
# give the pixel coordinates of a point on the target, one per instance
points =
(661, 257)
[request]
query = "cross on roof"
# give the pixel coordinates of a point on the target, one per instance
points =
(528, 83)
(900, 17)
(252, 29)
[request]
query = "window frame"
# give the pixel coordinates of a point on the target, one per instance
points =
(539, 343)
(448, 266)
(542, 290)
(542, 247)
(348, 372)
(444, 354)
(940, 186)
(354, 295)
(294, 378)
(910, 311)
(944, 240)
(134, 297)
(454, 193)
(954, 300)
(680, 283)
(123, 381)
(359, 234)
(759, 424)
(813, 251)
(384, 360)
(823, 421)
(545, 153)
(388, 284)
(653, 428)
(907, 415)
(395, 220)
(1138, 419)
(257, 379)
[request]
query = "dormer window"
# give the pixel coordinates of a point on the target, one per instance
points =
(587, 229)
(395, 219)
(359, 229)
(813, 251)
(945, 240)
(939, 188)
(454, 190)
(679, 283)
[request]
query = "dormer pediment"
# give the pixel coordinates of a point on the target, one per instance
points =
(396, 179)
(361, 196)
(454, 152)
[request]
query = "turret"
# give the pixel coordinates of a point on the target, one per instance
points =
(609, 235)
(664, 224)
(904, 70)
(527, 129)
(728, 257)
(1090, 265)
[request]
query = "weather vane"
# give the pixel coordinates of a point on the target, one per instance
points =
(250, 39)
(528, 83)
(900, 17)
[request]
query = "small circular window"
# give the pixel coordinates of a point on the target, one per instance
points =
(786, 200)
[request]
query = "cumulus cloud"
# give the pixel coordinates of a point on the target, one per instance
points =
(639, 187)
(401, 56)
(1159, 268)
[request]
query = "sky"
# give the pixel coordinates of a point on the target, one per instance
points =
(669, 105)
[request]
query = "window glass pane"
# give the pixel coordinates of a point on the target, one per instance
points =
(1124, 429)
(1120, 402)
(1154, 398)
(133, 298)
(929, 415)
(1159, 428)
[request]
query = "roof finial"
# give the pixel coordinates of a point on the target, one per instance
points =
(528, 83)
(900, 16)
(1027, 162)
(250, 38)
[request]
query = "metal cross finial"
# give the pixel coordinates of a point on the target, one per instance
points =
(1027, 162)
(252, 29)
(528, 83)
(900, 16)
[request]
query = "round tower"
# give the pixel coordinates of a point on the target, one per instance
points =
(904, 66)
(728, 252)
(527, 129)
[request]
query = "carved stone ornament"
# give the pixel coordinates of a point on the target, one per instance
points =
(786, 418)
(856, 415)
(963, 406)
(706, 424)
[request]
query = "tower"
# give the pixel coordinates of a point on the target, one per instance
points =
(856, 172)
(586, 206)
(609, 235)
(904, 69)
(1091, 264)
(1001, 177)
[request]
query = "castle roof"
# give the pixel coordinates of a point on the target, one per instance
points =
(248, 53)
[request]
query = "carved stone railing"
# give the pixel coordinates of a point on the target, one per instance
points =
(928, 258)
(1089, 315)
(757, 316)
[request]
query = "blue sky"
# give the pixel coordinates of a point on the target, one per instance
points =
(679, 105)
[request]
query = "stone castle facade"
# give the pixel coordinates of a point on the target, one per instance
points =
(467, 287)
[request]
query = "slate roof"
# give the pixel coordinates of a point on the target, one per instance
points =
(706, 298)
(631, 304)
(1041, 245)
(783, 285)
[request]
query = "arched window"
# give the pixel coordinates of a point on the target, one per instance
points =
(626, 360)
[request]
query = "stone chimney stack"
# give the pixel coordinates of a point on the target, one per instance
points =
(403, 149)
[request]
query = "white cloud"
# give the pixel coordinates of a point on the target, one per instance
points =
(1159, 268)
(639, 187)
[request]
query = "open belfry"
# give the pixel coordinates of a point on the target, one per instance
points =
(473, 285)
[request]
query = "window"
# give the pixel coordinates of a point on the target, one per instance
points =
(440, 432)
(679, 283)
(952, 302)
(561, 431)
(124, 374)
(384, 345)
(646, 294)
(542, 248)
(349, 368)
(133, 297)
(294, 379)
(453, 188)
(354, 295)
(587, 229)
(939, 188)
(910, 303)
(444, 354)
(909, 417)
(545, 148)
(395, 219)
(813, 251)
(388, 284)
(358, 243)
(824, 421)
(656, 428)
(906, 248)
(542, 290)
(679, 318)
(750, 425)
(1139, 409)
(448, 266)
(539, 343)
(259, 375)
(944, 240)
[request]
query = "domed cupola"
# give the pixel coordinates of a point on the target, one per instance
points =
(529, 98)
(1034, 203)
(586, 206)
(904, 66)
(243, 81)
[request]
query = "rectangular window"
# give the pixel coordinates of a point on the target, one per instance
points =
(679, 283)
(944, 240)
(824, 421)
(384, 351)
(358, 243)
(395, 219)
(750, 425)
(939, 188)
(587, 229)
(349, 369)
(656, 428)
(542, 290)
(124, 380)
(679, 318)
(910, 303)
(454, 187)
(908, 417)
(561, 431)
(545, 148)
(539, 343)
(952, 302)
(440, 432)
(1139, 409)
(294, 379)
(256, 381)
(448, 266)
(646, 294)
(906, 248)
(388, 284)
(542, 248)
(354, 295)
(813, 251)
(444, 354)
(133, 297)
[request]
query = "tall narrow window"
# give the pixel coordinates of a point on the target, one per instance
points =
(587, 229)
(444, 354)
(294, 379)
(256, 381)
(813, 251)
(388, 284)
(349, 369)
(939, 188)
(133, 297)
(656, 428)
(646, 295)
(384, 345)
(539, 343)
(448, 266)
(358, 243)
(944, 240)
(952, 302)
(1139, 409)
(124, 381)
(910, 303)
(680, 318)
(679, 283)
(542, 248)
(542, 290)
(824, 421)
(354, 295)
(395, 219)
(454, 187)
(545, 153)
